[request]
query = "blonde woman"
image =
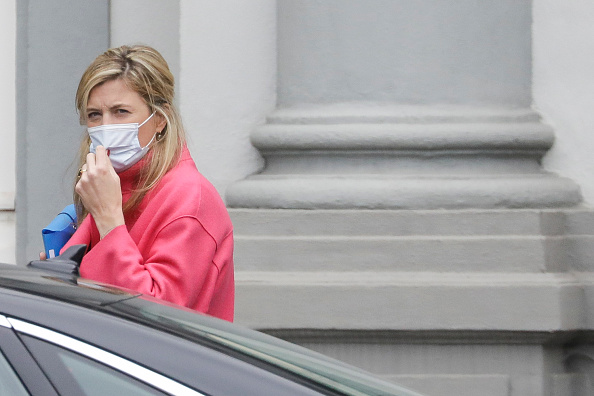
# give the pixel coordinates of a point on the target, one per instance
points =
(151, 221)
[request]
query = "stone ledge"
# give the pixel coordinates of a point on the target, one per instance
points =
(408, 279)
(512, 137)
(511, 253)
(436, 222)
(391, 192)
(376, 112)
(411, 301)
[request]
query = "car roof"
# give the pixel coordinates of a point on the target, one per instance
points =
(47, 295)
(63, 287)
(123, 303)
(116, 320)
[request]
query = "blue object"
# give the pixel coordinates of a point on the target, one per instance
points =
(59, 231)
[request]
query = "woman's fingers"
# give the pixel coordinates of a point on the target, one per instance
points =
(101, 156)
(99, 185)
(90, 162)
(100, 161)
(100, 191)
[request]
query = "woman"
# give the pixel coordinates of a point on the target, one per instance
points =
(151, 221)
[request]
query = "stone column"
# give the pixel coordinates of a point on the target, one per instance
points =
(396, 104)
(55, 43)
(403, 221)
(391, 156)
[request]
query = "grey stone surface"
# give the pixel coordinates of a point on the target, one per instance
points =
(420, 253)
(404, 51)
(494, 241)
(403, 157)
(133, 22)
(354, 112)
(345, 192)
(411, 269)
(498, 324)
(437, 368)
(403, 222)
(469, 222)
(410, 301)
(55, 43)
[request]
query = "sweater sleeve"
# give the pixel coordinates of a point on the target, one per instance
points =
(82, 235)
(178, 267)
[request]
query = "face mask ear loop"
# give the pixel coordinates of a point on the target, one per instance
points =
(155, 134)
(149, 143)
(145, 121)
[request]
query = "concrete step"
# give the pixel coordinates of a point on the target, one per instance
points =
(413, 301)
(526, 240)
(403, 192)
(364, 222)
(401, 253)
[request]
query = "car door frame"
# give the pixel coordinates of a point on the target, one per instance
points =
(25, 366)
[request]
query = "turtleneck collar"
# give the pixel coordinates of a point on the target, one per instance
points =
(129, 177)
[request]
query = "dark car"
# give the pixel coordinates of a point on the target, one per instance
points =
(64, 335)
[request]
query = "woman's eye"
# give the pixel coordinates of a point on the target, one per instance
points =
(122, 111)
(93, 114)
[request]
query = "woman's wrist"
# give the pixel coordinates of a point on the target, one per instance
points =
(105, 226)
(104, 234)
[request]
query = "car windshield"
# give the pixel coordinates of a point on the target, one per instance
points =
(316, 367)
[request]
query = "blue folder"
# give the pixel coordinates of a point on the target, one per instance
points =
(59, 231)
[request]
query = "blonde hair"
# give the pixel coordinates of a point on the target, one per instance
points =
(145, 71)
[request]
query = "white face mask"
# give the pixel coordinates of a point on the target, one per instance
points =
(122, 142)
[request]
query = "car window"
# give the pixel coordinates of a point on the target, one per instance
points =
(52, 350)
(73, 374)
(10, 384)
(329, 373)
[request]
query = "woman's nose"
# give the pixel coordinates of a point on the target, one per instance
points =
(107, 119)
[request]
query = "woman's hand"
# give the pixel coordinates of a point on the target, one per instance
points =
(100, 190)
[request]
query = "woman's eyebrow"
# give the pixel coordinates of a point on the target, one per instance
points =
(114, 106)
(117, 106)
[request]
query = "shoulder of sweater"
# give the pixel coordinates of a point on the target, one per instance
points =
(183, 178)
(184, 182)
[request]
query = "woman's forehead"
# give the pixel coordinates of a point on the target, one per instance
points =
(111, 92)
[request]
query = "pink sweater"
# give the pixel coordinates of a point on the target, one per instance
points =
(178, 246)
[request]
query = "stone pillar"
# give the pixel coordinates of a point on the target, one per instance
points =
(55, 43)
(133, 22)
(389, 156)
(396, 104)
(403, 221)
(227, 84)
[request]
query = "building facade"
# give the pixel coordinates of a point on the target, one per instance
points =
(410, 182)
